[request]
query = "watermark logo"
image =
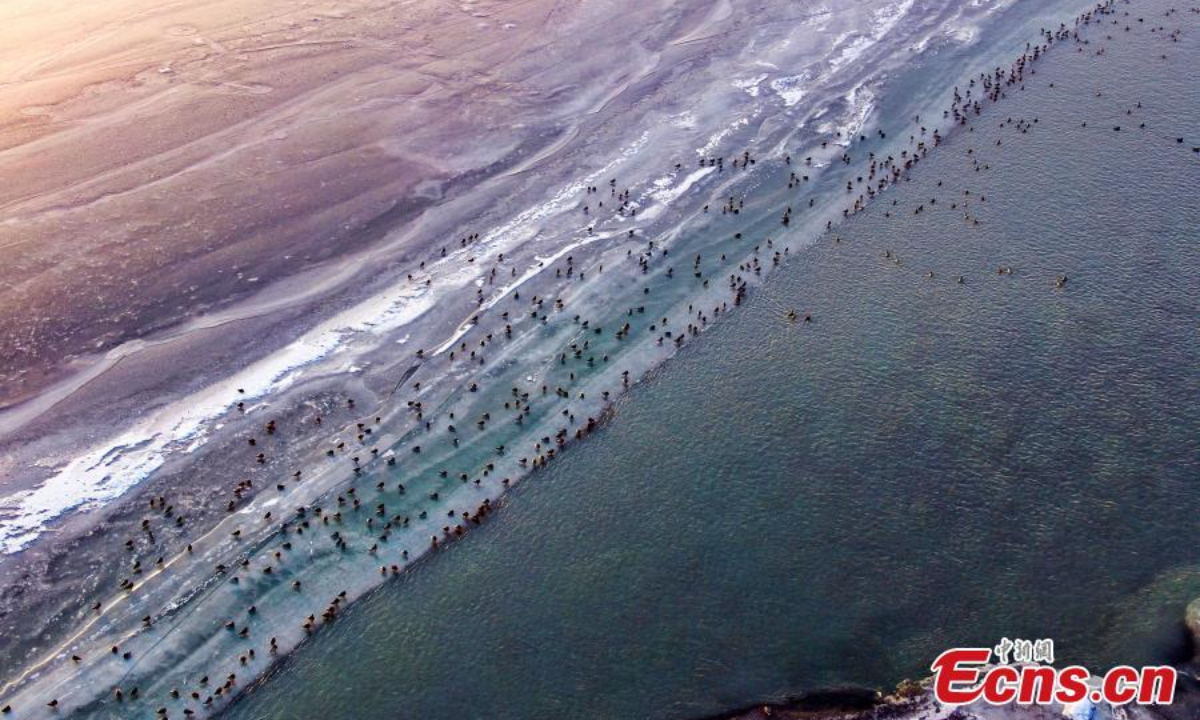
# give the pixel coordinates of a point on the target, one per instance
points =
(1020, 671)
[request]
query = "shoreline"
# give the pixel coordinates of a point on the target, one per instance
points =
(911, 700)
(915, 701)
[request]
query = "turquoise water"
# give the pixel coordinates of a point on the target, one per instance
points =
(788, 506)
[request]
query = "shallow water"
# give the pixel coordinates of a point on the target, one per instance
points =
(789, 506)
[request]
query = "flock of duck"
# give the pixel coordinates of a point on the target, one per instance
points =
(368, 511)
